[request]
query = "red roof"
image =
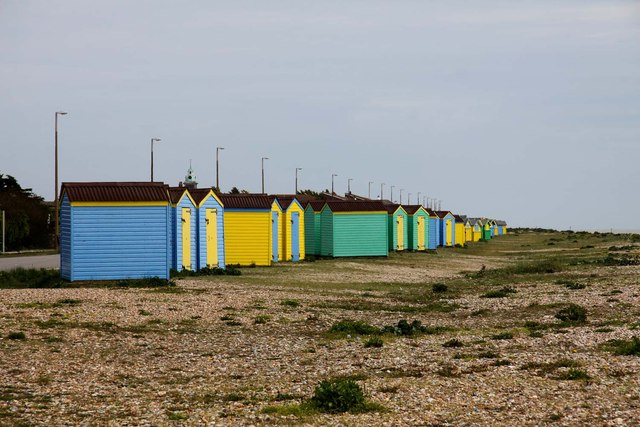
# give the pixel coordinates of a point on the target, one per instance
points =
(356, 206)
(458, 218)
(115, 191)
(442, 214)
(411, 209)
(316, 205)
(175, 193)
(198, 194)
(391, 208)
(246, 201)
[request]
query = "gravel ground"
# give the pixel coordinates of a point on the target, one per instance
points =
(195, 356)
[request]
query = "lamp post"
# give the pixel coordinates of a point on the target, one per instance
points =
(217, 168)
(3, 228)
(370, 182)
(333, 175)
(401, 190)
(408, 198)
(391, 196)
(424, 201)
(418, 198)
(297, 169)
(262, 161)
(152, 141)
(381, 189)
(57, 239)
(349, 185)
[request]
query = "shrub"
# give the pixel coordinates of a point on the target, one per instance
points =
(31, 278)
(405, 328)
(261, 319)
(290, 303)
(625, 348)
(575, 286)
(573, 313)
(439, 287)
(502, 336)
(338, 395)
(500, 293)
(354, 327)
(17, 336)
(375, 341)
(453, 343)
(574, 374)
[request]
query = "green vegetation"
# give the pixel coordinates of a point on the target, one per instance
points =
(16, 336)
(500, 293)
(572, 314)
(290, 303)
(229, 270)
(374, 341)
(31, 278)
(624, 347)
(439, 288)
(574, 374)
(453, 343)
(353, 327)
(502, 336)
(261, 319)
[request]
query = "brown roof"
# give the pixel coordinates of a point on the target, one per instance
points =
(115, 191)
(246, 201)
(198, 194)
(431, 212)
(442, 214)
(458, 218)
(285, 200)
(316, 205)
(411, 209)
(353, 206)
(175, 193)
(391, 208)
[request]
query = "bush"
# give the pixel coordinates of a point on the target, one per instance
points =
(338, 395)
(375, 342)
(290, 303)
(625, 348)
(574, 374)
(354, 327)
(31, 278)
(500, 293)
(502, 336)
(17, 336)
(405, 328)
(439, 287)
(573, 313)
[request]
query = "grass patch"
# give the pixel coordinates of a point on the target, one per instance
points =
(375, 342)
(574, 374)
(261, 319)
(500, 293)
(353, 327)
(229, 270)
(290, 303)
(502, 336)
(624, 347)
(572, 314)
(453, 343)
(31, 278)
(439, 288)
(16, 336)
(148, 282)
(364, 305)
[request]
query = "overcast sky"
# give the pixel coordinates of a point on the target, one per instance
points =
(522, 110)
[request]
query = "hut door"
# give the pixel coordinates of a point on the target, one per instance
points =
(186, 238)
(420, 233)
(449, 233)
(211, 226)
(295, 236)
(400, 222)
(274, 234)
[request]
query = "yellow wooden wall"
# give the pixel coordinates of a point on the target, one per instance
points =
(477, 233)
(504, 229)
(247, 237)
(468, 233)
(459, 234)
(286, 226)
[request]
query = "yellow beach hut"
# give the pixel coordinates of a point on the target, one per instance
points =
(291, 231)
(247, 229)
(460, 232)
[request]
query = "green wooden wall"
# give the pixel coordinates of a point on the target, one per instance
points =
(360, 234)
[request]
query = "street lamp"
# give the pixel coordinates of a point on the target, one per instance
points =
(418, 198)
(349, 185)
(297, 169)
(152, 141)
(217, 176)
(401, 190)
(333, 175)
(408, 198)
(381, 189)
(391, 196)
(57, 239)
(263, 159)
(370, 182)
(424, 201)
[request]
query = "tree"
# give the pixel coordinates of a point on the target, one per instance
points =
(29, 219)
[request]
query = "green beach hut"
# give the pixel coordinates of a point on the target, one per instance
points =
(417, 227)
(354, 228)
(398, 230)
(312, 227)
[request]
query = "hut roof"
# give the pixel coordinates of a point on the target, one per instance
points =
(115, 191)
(356, 206)
(316, 205)
(458, 218)
(246, 201)
(176, 193)
(442, 214)
(411, 209)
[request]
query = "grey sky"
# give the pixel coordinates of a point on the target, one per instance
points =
(527, 111)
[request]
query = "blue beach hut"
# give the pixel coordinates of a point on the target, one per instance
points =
(114, 230)
(210, 228)
(434, 230)
(183, 227)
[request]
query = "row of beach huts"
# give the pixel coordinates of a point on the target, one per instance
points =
(121, 230)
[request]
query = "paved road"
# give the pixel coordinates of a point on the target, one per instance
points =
(35, 261)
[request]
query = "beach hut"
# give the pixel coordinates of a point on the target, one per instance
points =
(486, 229)
(468, 231)
(248, 229)
(183, 230)
(492, 227)
(114, 230)
(398, 229)
(446, 223)
(276, 230)
(434, 229)
(210, 228)
(292, 231)
(418, 227)
(459, 230)
(354, 228)
(501, 227)
(312, 227)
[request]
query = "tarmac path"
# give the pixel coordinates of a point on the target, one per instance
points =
(35, 261)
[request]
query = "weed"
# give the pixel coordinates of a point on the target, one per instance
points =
(31, 278)
(502, 336)
(488, 355)
(448, 371)
(233, 397)
(142, 312)
(405, 328)
(453, 343)
(375, 341)
(354, 327)
(177, 416)
(17, 336)
(53, 339)
(280, 397)
(573, 313)
(480, 312)
(261, 319)
(290, 303)
(338, 395)
(574, 374)
(68, 301)
(500, 293)
(230, 270)
(502, 362)
(439, 288)
(624, 347)
(227, 317)
(576, 286)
